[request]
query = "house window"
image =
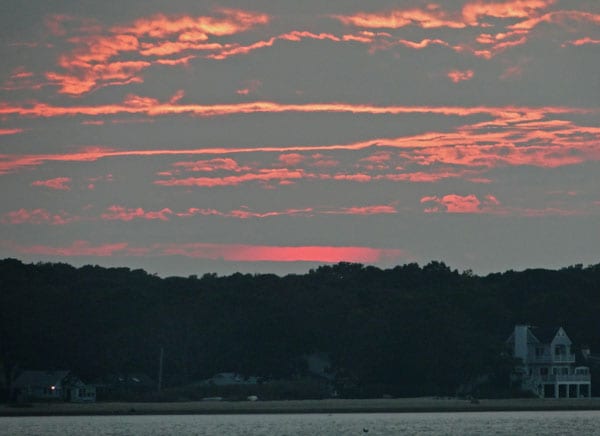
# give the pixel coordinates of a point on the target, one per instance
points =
(559, 350)
(539, 351)
(544, 371)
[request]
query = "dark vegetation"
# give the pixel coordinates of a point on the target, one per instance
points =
(405, 331)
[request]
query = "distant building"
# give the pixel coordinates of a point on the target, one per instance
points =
(547, 363)
(52, 386)
(319, 365)
(228, 379)
(124, 386)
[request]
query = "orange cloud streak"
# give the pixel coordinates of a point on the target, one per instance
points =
(365, 210)
(474, 10)
(227, 22)
(134, 104)
(265, 175)
(557, 17)
(513, 136)
(431, 18)
(434, 17)
(96, 59)
(582, 41)
(10, 131)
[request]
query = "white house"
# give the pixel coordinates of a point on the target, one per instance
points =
(547, 363)
(52, 385)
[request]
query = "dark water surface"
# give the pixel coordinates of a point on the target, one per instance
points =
(465, 423)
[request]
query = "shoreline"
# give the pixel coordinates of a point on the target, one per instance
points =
(398, 405)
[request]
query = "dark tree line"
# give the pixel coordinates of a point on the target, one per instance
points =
(405, 331)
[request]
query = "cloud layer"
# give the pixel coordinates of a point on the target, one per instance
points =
(228, 136)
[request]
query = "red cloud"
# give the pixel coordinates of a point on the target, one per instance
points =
(123, 214)
(227, 22)
(98, 57)
(177, 61)
(474, 10)
(582, 41)
(558, 17)
(20, 78)
(512, 72)
(527, 13)
(470, 204)
(246, 214)
(177, 96)
(10, 131)
(433, 16)
(265, 175)
(363, 178)
(250, 87)
(59, 183)
(453, 203)
(510, 136)
(430, 18)
(37, 216)
(460, 76)
(291, 159)
(321, 161)
(364, 210)
(143, 105)
(378, 161)
(211, 165)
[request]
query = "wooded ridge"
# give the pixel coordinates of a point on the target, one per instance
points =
(404, 331)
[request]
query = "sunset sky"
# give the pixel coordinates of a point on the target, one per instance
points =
(186, 136)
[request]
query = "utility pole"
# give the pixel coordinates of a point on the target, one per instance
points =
(160, 368)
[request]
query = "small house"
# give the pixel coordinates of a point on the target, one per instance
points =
(52, 386)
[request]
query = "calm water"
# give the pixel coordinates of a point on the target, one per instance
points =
(479, 423)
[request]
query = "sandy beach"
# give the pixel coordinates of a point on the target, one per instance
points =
(398, 405)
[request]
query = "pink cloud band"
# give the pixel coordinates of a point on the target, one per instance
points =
(226, 252)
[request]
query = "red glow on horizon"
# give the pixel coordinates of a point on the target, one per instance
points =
(224, 252)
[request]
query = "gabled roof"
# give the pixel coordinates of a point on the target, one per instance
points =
(545, 334)
(531, 339)
(40, 378)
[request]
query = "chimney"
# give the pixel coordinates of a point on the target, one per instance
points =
(585, 352)
(521, 342)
